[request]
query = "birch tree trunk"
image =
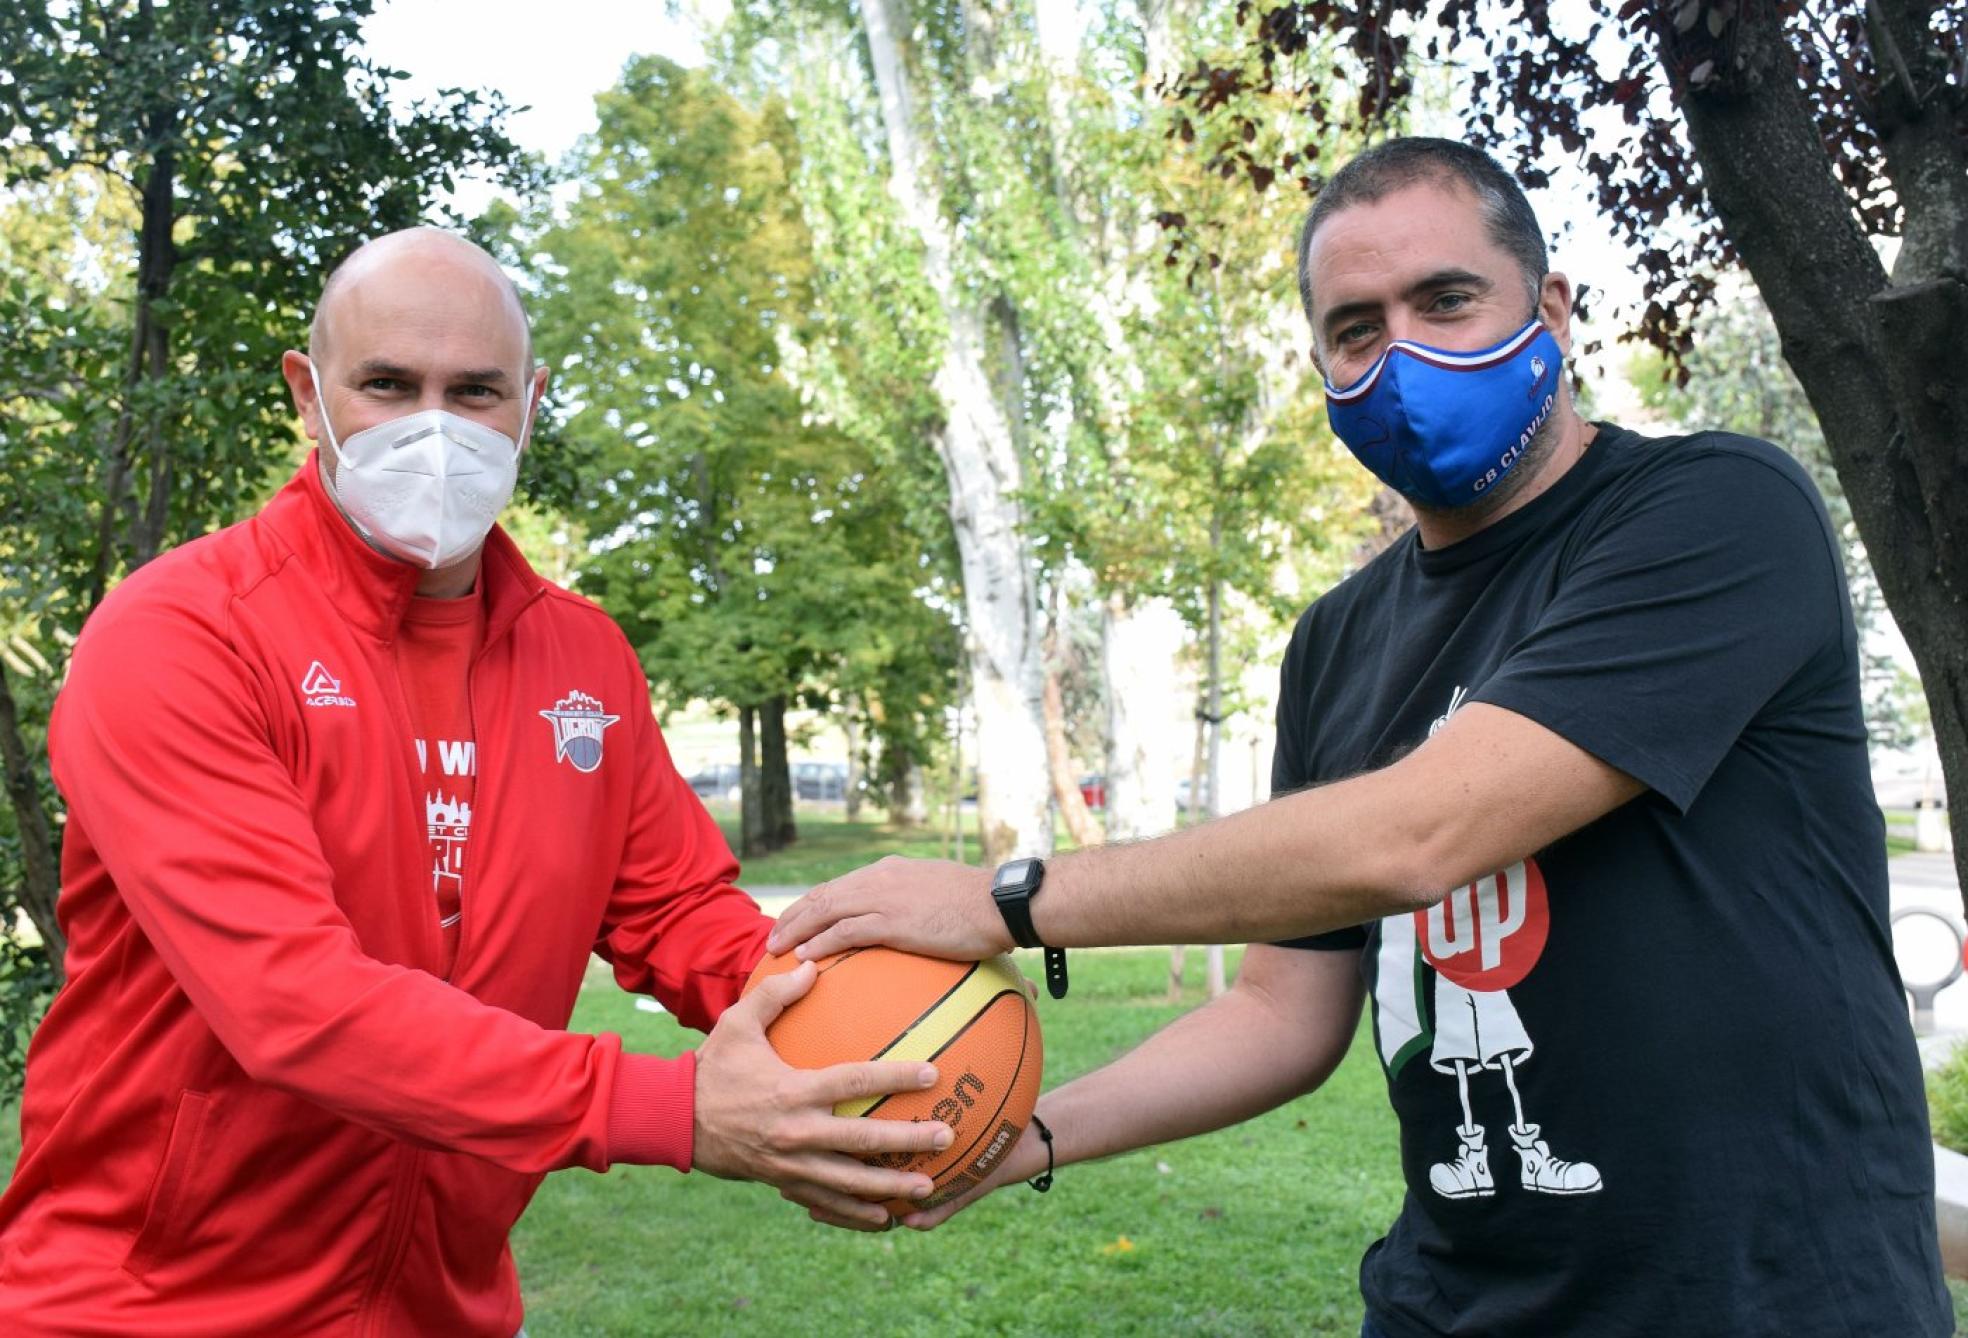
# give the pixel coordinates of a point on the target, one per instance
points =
(1140, 648)
(980, 459)
(851, 792)
(751, 807)
(1141, 639)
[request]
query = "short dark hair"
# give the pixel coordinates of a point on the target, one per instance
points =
(1398, 163)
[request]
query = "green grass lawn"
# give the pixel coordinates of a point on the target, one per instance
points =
(829, 845)
(1255, 1230)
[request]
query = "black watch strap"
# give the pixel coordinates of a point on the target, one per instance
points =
(1012, 888)
(1017, 912)
(1055, 969)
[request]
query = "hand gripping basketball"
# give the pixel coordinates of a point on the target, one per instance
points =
(974, 1020)
(758, 1118)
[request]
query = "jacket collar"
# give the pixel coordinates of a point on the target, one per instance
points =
(371, 590)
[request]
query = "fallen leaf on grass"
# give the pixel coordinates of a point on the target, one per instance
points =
(1119, 1245)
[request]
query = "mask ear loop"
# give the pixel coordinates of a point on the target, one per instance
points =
(321, 407)
(525, 418)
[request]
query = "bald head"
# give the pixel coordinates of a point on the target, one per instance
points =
(417, 264)
(418, 320)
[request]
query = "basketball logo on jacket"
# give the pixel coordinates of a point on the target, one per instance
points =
(578, 722)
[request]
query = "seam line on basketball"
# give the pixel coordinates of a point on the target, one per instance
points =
(869, 1105)
(962, 981)
(840, 960)
(989, 1128)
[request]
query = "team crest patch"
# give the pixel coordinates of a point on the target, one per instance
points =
(578, 722)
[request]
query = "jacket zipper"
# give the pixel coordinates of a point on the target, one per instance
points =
(403, 1193)
(404, 1189)
(396, 1236)
(472, 857)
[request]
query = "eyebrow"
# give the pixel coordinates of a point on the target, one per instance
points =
(1451, 277)
(383, 367)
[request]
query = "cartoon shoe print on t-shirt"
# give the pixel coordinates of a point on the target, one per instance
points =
(1481, 940)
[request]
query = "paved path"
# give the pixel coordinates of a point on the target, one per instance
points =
(774, 897)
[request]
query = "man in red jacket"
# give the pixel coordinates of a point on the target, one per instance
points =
(353, 796)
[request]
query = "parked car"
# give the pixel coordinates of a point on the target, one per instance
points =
(1093, 789)
(719, 780)
(821, 781)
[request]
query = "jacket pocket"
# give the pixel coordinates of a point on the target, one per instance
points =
(167, 1211)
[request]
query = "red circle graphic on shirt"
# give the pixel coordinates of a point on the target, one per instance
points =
(1488, 935)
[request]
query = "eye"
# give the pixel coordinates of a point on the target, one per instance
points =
(1354, 333)
(483, 394)
(382, 385)
(1450, 302)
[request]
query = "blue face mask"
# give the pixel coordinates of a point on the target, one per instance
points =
(1443, 428)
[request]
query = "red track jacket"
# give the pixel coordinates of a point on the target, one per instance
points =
(254, 1108)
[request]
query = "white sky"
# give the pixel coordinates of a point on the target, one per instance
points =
(551, 59)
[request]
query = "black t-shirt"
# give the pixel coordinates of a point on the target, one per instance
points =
(1657, 1079)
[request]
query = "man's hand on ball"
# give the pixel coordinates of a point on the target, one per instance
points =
(758, 1118)
(934, 907)
(1026, 1159)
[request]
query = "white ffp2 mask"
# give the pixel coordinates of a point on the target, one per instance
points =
(425, 487)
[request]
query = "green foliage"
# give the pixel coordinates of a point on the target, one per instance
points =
(27, 987)
(177, 179)
(1214, 464)
(1947, 1100)
(245, 146)
(1173, 433)
(1735, 379)
(747, 541)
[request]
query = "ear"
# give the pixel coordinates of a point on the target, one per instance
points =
(1555, 309)
(294, 370)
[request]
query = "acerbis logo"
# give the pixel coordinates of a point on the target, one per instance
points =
(321, 688)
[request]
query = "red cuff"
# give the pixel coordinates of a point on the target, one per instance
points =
(653, 1109)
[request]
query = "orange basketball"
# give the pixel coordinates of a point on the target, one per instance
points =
(972, 1020)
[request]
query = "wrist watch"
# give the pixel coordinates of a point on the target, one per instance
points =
(1013, 887)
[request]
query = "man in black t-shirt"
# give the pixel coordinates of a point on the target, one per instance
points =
(1648, 1050)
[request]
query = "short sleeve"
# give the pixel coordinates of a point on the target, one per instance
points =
(1289, 772)
(1691, 605)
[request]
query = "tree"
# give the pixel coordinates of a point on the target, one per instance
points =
(981, 395)
(1780, 133)
(244, 146)
(746, 543)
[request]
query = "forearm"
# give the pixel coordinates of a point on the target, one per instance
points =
(1234, 1058)
(1487, 791)
(1301, 864)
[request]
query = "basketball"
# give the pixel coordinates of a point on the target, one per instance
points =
(972, 1020)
